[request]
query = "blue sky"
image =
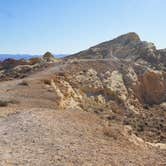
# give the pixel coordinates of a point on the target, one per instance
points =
(68, 26)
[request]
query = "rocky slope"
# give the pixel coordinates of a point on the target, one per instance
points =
(108, 101)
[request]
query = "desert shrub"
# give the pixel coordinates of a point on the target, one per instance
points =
(116, 108)
(47, 82)
(140, 127)
(13, 102)
(111, 132)
(24, 83)
(61, 74)
(3, 103)
(107, 131)
(34, 61)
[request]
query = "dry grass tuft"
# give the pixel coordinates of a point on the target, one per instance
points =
(24, 83)
(47, 82)
(111, 132)
(5, 103)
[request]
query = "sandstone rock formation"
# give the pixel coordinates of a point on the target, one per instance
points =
(146, 74)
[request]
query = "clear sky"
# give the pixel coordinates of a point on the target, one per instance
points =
(68, 26)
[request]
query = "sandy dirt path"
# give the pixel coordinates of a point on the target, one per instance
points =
(40, 137)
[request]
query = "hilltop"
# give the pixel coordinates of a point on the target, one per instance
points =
(127, 47)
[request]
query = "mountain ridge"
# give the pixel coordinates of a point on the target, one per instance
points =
(25, 56)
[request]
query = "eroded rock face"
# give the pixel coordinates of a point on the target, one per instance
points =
(132, 88)
(146, 84)
(66, 96)
(132, 94)
(142, 72)
(114, 85)
(153, 87)
(89, 89)
(89, 82)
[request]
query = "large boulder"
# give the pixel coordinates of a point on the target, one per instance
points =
(153, 86)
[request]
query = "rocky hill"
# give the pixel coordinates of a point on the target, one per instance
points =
(141, 65)
(127, 47)
(108, 101)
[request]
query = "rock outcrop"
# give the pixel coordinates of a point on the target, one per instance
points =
(128, 47)
(48, 57)
(114, 86)
(142, 67)
(153, 87)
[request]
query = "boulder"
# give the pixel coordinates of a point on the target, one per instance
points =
(153, 87)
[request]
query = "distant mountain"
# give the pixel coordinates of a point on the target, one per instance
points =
(60, 55)
(25, 56)
(16, 56)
